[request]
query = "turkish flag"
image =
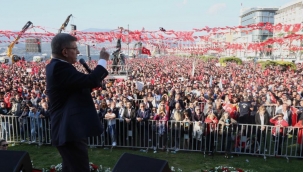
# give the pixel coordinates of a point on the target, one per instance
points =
(300, 133)
(294, 115)
(146, 51)
(296, 28)
(231, 109)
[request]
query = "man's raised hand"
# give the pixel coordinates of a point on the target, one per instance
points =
(104, 54)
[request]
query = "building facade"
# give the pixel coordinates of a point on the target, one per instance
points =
(254, 16)
(291, 13)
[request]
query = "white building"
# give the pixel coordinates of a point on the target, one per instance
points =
(291, 13)
(254, 16)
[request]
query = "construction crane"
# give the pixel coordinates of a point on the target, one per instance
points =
(64, 24)
(9, 53)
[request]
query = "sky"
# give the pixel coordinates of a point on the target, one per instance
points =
(179, 15)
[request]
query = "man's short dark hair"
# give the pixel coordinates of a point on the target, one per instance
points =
(60, 41)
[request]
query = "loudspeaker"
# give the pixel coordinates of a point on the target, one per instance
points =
(15, 161)
(136, 163)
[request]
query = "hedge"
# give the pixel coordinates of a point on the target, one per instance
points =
(207, 58)
(267, 63)
(224, 60)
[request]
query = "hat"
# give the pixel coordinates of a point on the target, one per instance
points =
(109, 110)
(279, 115)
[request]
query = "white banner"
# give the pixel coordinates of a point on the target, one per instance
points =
(29, 70)
(139, 85)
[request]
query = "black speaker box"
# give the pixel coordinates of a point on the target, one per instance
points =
(15, 161)
(136, 163)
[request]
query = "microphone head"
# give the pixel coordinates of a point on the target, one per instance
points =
(82, 61)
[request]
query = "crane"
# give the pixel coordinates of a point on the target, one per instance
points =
(11, 46)
(64, 24)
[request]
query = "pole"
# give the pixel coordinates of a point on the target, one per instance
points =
(128, 40)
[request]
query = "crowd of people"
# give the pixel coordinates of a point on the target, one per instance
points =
(199, 96)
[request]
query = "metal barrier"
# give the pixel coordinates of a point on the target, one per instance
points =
(171, 136)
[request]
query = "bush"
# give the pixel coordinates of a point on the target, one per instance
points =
(224, 60)
(207, 58)
(284, 64)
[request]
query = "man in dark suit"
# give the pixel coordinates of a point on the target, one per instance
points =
(148, 105)
(142, 118)
(73, 115)
(129, 116)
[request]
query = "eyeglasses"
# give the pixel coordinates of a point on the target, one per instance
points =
(5, 145)
(75, 48)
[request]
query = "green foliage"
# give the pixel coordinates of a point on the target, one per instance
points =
(267, 63)
(207, 58)
(230, 59)
(250, 57)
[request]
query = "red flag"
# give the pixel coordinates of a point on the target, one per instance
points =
(300, 133)
(145, 51)
(296, 28)
(294, 115)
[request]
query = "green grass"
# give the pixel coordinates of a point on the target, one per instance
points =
(45, 156)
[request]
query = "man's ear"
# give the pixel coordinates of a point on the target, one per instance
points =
(64, 52)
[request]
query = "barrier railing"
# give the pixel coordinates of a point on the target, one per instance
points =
(171, 136)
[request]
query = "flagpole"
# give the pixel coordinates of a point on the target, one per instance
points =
(128, 40)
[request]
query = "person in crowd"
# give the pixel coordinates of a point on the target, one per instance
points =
(279, 131)
(262, 120)
(35, 125)
(175, 125)
(3, 144)
(299, 128)
(148, 104)
(198, 119)
(226, 124)
(244, 111)
(142, 117)
(23, 122)
(161, 127)
(286, 113)
(35, 99)
(16, 105)
(129, 116)
(188, 129)
(110, 117)
(176, 99)
(211, 123)
(45, 125)
(5, 120)
(279, 105)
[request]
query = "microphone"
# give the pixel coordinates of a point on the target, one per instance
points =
(82, 61)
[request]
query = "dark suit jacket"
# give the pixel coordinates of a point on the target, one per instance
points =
(146, 116)
(150, 105)
(266, 119)
(173, 102)
(73, 115)
(132, 116)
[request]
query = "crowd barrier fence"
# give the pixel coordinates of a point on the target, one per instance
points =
(170, 136)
